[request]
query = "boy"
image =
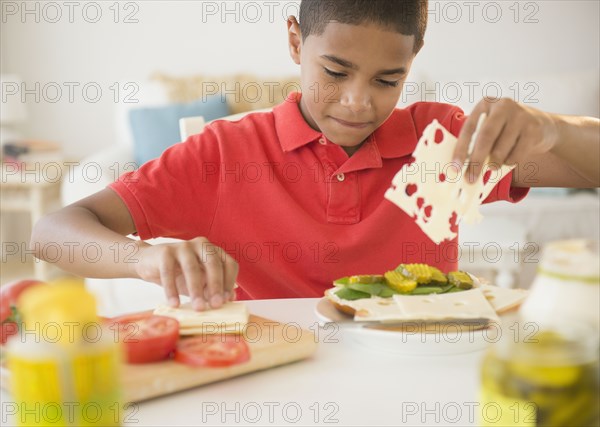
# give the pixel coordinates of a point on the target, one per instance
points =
(310, 207)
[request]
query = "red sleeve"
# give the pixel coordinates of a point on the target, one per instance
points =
(449, 116)
(503, 190)
(175, 195)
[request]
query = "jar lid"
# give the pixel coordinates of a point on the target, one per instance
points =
(576, 259)
(65, 308)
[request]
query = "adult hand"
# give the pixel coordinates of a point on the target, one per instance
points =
(510, 134)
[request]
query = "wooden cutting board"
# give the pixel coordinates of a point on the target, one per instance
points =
(271, 344)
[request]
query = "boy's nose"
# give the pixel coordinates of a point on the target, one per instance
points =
(356, 99)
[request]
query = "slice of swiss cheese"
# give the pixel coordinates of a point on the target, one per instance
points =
(470, 304)
(434, 192)
(231, 318)
(502, 299)
(482, 302)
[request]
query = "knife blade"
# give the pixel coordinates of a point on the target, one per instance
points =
(410, 325)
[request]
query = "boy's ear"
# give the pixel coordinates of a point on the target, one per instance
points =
(294, 39)
(418, 49)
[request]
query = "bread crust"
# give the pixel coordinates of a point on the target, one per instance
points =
(343, 308)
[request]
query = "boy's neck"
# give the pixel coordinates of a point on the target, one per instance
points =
(351, 150)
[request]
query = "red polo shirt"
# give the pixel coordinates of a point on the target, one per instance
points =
(290, 206)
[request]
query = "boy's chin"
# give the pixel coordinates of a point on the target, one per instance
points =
(347, 141)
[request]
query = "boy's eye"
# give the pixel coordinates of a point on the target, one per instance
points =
(334, 74)
(388, 83)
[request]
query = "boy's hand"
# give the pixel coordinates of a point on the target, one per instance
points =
(510, 134)
(196, 268)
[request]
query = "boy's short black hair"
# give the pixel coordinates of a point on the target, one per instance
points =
(408, 17)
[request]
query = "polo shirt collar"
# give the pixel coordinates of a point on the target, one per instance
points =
(292, 129)
(396, 137)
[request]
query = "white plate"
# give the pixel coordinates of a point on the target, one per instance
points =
(444, 340)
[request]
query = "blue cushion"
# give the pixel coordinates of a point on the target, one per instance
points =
(155, 129)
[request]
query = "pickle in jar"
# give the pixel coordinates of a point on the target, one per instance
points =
(543, 378)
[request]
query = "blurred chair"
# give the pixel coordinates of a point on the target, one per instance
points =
(192, 125)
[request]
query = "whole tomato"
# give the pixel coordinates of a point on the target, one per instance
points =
(9, 294)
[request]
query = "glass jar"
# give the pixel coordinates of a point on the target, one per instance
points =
(567, 285)
(541, 376)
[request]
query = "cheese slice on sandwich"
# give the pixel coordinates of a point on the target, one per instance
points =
(434, 307)
(470, 304)
(231, 318)
(502, 299)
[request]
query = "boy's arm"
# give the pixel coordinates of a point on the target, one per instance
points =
(549, 150)
(91, 235)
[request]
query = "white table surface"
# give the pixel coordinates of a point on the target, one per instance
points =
(344, 383)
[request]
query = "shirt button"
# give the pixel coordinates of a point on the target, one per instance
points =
(322, 141)
(340, 177)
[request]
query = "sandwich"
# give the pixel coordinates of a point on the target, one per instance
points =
(423, 294)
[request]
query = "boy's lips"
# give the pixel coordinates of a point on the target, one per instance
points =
(356, 125)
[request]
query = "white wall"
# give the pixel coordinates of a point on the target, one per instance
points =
(176, 37)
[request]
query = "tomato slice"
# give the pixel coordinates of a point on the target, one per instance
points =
(213, 350)
(7, 330)
(146, 337)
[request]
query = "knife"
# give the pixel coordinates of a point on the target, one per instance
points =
(471, 146)
(410, 325)
(330, 317)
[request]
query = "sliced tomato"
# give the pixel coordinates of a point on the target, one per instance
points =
(146, 337)
(7, 330)
(212, 350)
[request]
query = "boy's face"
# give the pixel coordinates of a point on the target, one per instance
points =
(351, 78)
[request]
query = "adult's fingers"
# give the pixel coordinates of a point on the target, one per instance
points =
(486, 139)
(467, 131)
(504, 146)
(231, 271)
(167, 269)
(193, 273)
(519, 151)
(213, 265)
